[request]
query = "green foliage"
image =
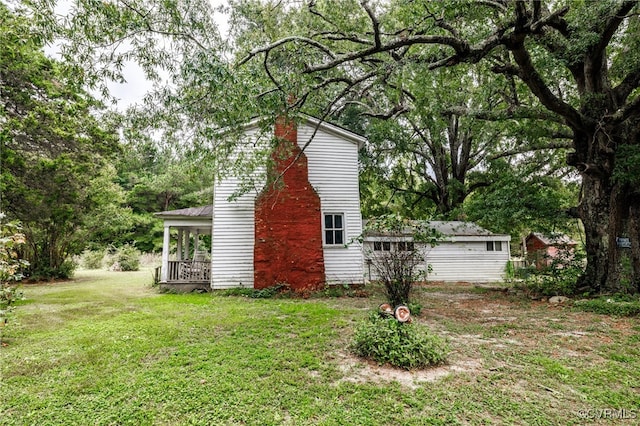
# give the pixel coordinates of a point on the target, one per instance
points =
(253, 293)
(11, 266)
(404, 345)
(619, 306)
(627, 170)
(520, 199)
(558, 278)
(400, 269)
(123, 258)
(92, 259)
(53, 146)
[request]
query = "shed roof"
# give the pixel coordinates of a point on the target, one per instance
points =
(553, 239)
(448, 228)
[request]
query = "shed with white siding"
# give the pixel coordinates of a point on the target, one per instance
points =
(465, 252)
(267, 235)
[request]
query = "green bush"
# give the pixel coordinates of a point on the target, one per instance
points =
(558, 279)
(124, 258)
(11, 266)
(619, 306)
(92, 259)
(405, 345)
(45, 272)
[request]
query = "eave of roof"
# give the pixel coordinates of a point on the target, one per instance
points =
(320, 124)
(194, 212)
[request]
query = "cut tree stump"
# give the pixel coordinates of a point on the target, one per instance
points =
(402, 313)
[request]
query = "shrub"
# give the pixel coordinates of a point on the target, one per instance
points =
(400, 267)
(558, 279)
(92, 259)
(124, 258)
(405, 345)
(10, 268)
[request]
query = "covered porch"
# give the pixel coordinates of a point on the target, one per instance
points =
(186, 248)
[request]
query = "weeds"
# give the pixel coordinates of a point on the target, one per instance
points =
(620, 306)
(404, 345)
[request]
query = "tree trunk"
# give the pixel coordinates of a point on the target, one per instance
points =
(608, 211)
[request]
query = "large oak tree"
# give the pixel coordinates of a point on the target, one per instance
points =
(580, 60)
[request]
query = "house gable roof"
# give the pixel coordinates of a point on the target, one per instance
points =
(323, 125)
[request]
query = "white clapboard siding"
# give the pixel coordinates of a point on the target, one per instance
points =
(463, 258)
(467, 261)
(233, 236)
(333, 172)
(332, 159)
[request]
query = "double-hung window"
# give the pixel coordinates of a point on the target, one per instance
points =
(334, 229)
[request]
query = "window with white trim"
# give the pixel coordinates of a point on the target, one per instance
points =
(406, 246)
(494, 245)
(381, 246)
(334, 229)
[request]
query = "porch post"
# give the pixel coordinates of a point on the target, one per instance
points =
(187, 239)
(179, 250)
(165, 255)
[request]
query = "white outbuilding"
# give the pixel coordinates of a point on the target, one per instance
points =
(465, 252)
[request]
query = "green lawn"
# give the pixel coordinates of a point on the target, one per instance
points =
(106, 348)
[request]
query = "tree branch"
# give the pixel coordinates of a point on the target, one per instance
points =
(291, 39)
(525, 149)
(536, 84)
(374, 23)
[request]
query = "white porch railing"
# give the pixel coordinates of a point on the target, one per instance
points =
(189, 271)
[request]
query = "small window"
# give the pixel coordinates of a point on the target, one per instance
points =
(334, 229)
(494, 245)
(381, 246)
(406, 246)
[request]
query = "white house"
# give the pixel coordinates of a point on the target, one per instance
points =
(465, 252)
(294, 231)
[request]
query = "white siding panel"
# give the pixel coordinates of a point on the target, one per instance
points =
(467, 261)
(233, 235)
(333, 172)
(461, 261)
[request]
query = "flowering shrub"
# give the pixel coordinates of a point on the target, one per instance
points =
(10, 267)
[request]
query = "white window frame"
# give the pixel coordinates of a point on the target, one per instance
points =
(333, 229)
(383, 246)
(494, 245)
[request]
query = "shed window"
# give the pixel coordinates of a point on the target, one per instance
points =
(381, 246)
(406, 246)
(494, 245)
(334, 229)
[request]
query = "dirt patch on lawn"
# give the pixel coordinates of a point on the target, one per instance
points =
(357, 370)
(492, 330)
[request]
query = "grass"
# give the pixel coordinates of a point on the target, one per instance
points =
(107, 349)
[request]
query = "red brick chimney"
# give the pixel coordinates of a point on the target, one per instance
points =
(288, 223)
